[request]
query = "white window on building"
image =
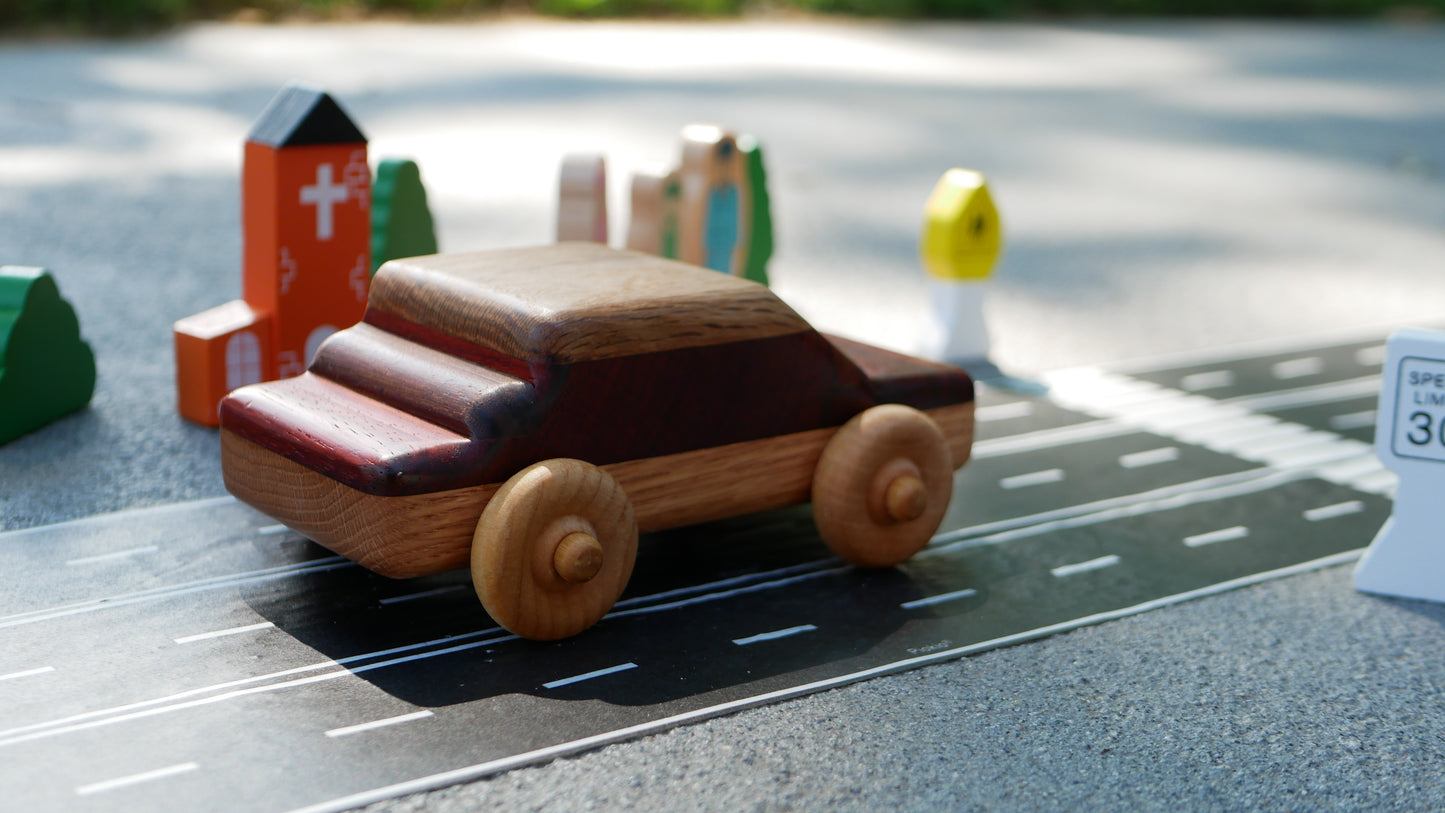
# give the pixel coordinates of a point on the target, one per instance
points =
(243, 360)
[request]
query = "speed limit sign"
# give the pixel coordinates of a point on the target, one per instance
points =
(1407, 557)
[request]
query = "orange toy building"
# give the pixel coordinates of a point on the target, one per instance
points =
(306, 243)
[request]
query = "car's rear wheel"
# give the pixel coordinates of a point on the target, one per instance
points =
(882, 486)
(554, 549)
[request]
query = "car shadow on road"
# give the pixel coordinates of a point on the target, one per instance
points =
(721, 610)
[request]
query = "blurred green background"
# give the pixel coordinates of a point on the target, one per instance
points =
(120, 16)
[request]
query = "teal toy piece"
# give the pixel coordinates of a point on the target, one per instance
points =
(722, 227)
(46, 369)
(401, 222)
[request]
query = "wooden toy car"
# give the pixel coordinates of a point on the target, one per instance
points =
(655, 394)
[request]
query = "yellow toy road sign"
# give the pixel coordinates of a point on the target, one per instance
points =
(961, 230)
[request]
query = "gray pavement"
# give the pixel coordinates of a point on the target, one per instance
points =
(1163, 187)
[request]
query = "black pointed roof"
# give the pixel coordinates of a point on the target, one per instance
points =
(300, 115)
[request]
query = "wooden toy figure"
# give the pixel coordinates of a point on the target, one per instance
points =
(528, 412)
(959, 246)
(1407, 557)
(647, 224)
(306, 240)
(46, 369)
(714, 215)
(401, 222)
(582, 199)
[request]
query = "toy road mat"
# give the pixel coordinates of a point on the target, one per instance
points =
(200, 657)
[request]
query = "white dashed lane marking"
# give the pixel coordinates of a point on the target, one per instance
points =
(938, 599)
(1083, 567)
(1036, 478)
(135, 779)
(774, 635)
(264, 625)
(108, 557)
(1339, 509)
(1004, 412)
(454, 588)
(611, 670)
(28, 673)
(347, 731)
(1298, 368)
(1213, 380)
(1353, 420)
(1370, 356)
(1221, 535)
(1152, 457)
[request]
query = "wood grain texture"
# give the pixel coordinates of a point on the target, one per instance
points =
(428, 533)
(577, 302)
(460, 425)
(535, 522)
(469, 399)
(899, 379)
(399, 537)
(882, 486)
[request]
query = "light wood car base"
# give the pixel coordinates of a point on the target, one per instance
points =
(403, 537)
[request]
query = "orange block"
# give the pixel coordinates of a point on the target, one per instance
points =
(306, 252)
(307, 219)
(217, 351)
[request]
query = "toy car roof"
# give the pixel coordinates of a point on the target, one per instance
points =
(576, 302)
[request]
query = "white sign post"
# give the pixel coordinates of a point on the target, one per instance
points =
(1407, 558)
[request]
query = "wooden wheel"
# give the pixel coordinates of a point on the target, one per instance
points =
(553, 549)
(882, 485)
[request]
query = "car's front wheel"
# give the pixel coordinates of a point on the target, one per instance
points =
(882, 486)
(554, 549)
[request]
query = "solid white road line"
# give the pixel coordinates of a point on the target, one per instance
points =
(347, 731)
(773, 636)
(1036, 478)
(27, 673)
(171, 591)
(938, 599)
(106, 557)
(611, 670)
(1221, 535)
(1339, 509)
(272, 530)
(264, 625)
(1083, 567)
(135, 779)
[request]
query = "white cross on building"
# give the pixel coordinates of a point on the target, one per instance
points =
(323, 195)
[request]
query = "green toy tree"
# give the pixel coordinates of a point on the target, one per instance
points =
(760, 232)
(46, 369)
(401, 223)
